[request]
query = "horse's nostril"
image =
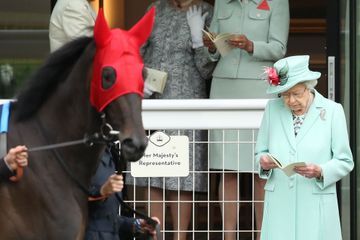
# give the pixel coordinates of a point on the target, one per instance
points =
(136, 145)
(132, 150)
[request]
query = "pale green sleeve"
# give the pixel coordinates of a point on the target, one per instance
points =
(342, 160)
(275, 47)
(262, 143)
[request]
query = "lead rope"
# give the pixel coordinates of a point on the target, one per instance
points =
(117, 155)
(20, 170)
(105, 136)
(89, 140)
(59, 158)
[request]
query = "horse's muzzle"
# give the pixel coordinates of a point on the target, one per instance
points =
(132, 150)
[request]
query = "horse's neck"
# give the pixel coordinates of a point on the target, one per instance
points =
(71, 124)
(67, 116)
(62, 120)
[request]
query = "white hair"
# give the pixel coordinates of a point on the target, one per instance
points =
(311, 84)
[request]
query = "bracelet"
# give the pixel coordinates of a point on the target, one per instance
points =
(137, 227)
(321, 178)
(266, 172)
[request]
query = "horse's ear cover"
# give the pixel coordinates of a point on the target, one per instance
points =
(142, 30)
(119, 50)
(102, 32)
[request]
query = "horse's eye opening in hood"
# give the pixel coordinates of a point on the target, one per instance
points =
(108, 76)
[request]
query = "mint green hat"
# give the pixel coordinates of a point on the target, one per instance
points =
(288, 72)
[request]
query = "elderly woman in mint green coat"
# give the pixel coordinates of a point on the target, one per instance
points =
(301, 126)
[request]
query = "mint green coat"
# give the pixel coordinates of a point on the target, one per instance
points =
(298, 208)
(267, 29)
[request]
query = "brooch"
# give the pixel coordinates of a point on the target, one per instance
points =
(322, 114)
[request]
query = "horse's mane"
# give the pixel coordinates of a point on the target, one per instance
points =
(43, 82)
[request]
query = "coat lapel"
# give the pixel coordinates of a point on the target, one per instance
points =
(287, 124)
(257, 2)
(312, 116)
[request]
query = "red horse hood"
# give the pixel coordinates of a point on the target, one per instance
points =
(118, 51)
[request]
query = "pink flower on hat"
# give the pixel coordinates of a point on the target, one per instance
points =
(272, 76)
(276, 77)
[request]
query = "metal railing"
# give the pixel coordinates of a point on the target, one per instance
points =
(205, 114)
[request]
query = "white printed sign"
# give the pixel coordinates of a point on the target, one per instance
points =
(165, 156)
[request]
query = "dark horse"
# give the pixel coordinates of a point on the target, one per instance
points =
(48, 202)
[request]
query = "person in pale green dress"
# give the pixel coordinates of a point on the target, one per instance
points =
(260, 32)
